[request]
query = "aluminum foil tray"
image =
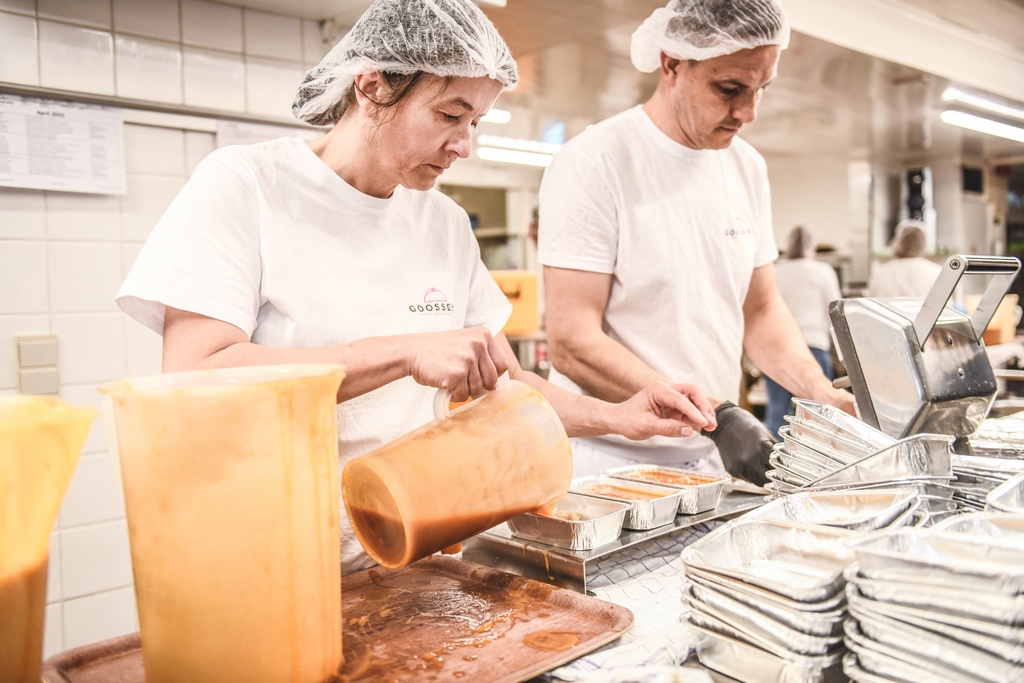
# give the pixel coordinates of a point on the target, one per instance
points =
(1003, 467)
(762, 598)
(936, 648)
(941, 559)
(861, 510)
(827, 442)
(896, 664)
(924, 456)
(800, 562)
(576, 523)
(1008, 497)
(851, 667)
(830, 418)
(642, 514)
(780, 458)
(1001, 641)
(798, 449)
(700, 495)
(746, 662)
(995, 525)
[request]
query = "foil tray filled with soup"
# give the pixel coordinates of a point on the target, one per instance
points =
(700, 491)
(650, 505)
(576, 523)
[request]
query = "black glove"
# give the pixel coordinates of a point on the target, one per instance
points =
(743, 442)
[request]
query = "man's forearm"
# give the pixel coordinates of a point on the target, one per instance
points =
(602, 367)
(777, 348)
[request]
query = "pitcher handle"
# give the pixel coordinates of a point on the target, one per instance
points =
(443, 398)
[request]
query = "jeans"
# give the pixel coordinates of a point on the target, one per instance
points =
(779, 400)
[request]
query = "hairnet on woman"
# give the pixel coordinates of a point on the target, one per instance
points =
(339, 250)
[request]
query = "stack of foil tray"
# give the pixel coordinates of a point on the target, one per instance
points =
(935, 605)
(824, 449)
(767, 600)
(1008, 496)
(1000, 437)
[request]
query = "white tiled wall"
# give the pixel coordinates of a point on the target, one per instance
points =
(63, 255)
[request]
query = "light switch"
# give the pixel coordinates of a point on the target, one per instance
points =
(38, 380)
(37, 351)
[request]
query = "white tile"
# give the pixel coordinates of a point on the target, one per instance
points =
(148, 69)
(197, 147)
(95, 558)
(99, 617)
(19, 59)
(74, 58)
(86, 395)
(154, 151)
(23, 287)
(22, 214)
(152, 18)
(129, 252)
(313, 46)
(73, 216)
(19, 6)
(271, 86)
(143, 350)
(214, 80)
(210, 24)
(147, 199)
(90, 348)
(12, 326)
(273, 35)
(53, 588)
(90, 12)
(53, 632)
(94, 494)
(84, 276)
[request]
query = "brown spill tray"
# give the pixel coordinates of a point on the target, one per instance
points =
(437, 618)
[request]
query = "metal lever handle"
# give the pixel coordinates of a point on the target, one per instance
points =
(1003, 270)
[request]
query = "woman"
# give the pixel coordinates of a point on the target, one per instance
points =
(909, 273)
(808, 287)
(339, 251)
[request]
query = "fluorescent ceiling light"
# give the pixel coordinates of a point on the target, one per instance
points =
(497, 116)
(952, 94)
(517, 144)
(982, 125)
(513, 156)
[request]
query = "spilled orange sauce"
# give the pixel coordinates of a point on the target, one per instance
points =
(552, 641)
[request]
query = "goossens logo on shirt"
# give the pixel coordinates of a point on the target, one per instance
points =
(434, 303)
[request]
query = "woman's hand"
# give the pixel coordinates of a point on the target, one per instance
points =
(468, 362)
(662, 409)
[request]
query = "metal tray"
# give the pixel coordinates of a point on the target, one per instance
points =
(830, 418)
(994, 525)
(1008, 497)
(762, 598)
(694, 498)
(642, 514)
(851, 667)
(828, 441)
(800, 562)
(798, 449)
(1006, 642)
(918, 456)
(941, 559)
(576, 523)
(896, 664)
(861, 510)
(805, 469)
(751, 664)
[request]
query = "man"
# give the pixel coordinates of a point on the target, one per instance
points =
(657, 241)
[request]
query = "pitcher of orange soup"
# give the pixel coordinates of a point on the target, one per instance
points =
(231, 491)
(465, 471)
(41, 438)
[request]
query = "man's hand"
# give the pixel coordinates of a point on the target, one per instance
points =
(662, 409)
(824, 392)
(743, 442)
(467, 361)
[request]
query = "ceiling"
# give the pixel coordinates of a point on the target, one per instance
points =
(574, 66)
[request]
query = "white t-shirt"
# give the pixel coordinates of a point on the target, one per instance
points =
(903, 277)
(808, 287)
(681, 232)
(268, 238)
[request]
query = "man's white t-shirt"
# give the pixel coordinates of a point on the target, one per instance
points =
(268, 238)
(681, 232)
(903, 277)
(808, 287)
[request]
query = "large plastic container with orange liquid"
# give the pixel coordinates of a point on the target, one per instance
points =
(41, 438)
(231, 491)
(465, 471)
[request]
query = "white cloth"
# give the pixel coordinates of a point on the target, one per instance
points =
(808, 287)
(681, 232)
(903, 277)
(268, 238)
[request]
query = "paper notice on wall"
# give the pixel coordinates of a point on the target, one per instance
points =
(58, 145)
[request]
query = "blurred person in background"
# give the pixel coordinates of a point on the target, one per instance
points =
(909, 273)
(657, 246)
(807, 286)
